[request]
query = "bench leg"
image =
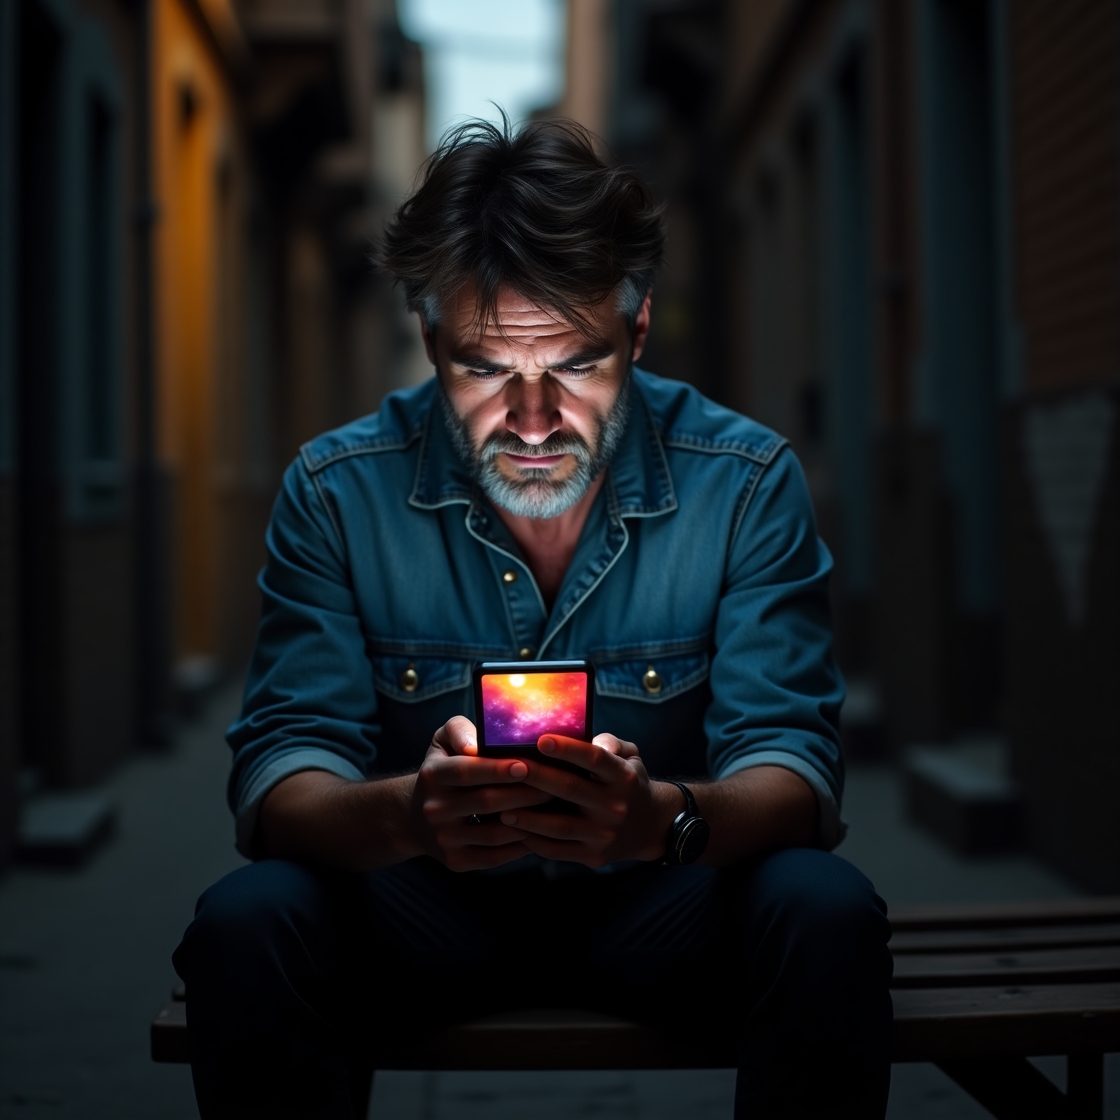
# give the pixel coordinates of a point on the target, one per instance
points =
(1085, 1086)
(361, 1088)
(1009, 1088)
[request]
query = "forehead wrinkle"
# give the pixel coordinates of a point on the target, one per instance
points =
(521, 331)
(546, 349)
(550, 357)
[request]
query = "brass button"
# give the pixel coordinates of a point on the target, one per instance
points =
(509, 577)
(651, 681)
(410, 679)
(526, 653)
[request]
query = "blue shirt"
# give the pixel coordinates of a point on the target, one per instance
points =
(699, 558)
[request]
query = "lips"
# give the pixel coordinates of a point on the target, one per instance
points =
(534, 462)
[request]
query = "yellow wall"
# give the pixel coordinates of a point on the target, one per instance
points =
(196, 143)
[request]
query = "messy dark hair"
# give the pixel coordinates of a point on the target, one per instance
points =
(535, 210)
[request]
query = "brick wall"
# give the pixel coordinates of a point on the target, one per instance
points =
(1065, 137)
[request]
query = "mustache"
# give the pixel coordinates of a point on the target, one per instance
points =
(559, 443)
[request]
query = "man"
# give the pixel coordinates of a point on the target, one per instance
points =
(539, 498)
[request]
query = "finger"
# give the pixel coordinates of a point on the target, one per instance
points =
(458, 736)
(591, 756)
(601, 800)
(558, 826)
(616, 746)
(562, 783)
(499, 799)
(485, 834)
(455, 805)
(464, 770)
(482, 801)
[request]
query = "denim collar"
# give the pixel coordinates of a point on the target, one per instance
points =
(638, 475)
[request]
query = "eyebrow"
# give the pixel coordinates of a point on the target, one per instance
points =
(593, 353)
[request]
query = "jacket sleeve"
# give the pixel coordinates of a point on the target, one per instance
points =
(776, 688)
(309, 699)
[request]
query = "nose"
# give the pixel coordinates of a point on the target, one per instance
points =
(531, 408)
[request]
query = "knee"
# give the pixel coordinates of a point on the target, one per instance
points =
(256, 897)
(821, 901)
(818, 966)
(247, 915)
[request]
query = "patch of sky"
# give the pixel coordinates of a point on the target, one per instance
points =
(482, 53)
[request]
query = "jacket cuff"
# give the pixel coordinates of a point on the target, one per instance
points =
(280, 765)
(830, 828)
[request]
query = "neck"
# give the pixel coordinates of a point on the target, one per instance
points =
(550, 543)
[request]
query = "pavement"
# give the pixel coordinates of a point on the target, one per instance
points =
(85, 962)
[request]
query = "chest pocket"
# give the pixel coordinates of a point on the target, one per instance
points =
(415, 697)
(657, 701)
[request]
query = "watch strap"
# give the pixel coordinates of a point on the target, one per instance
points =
(690, 807)
(690, 812)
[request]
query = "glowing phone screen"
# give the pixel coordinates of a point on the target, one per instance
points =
(518, 708)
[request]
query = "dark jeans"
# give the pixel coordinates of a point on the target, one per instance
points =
(296, 976)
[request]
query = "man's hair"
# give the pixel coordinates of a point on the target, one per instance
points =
(533, 209)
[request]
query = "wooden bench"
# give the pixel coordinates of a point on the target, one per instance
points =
(976, 991)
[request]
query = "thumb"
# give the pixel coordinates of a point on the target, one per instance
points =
(457, 736)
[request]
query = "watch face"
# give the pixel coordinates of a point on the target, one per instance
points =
(693, 840)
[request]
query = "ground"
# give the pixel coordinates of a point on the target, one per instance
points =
(85, 963)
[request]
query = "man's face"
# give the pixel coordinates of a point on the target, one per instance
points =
(534, 406)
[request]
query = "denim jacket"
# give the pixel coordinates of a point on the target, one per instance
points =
(699, 559)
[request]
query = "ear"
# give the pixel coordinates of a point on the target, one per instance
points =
(428, 335)
(641, 328)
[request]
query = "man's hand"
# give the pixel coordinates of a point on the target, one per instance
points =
(318, 816)
(454, 784)
(621, 814)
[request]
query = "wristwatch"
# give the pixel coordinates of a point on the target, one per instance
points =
(688, 834)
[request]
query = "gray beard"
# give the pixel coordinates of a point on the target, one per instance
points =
(530, 495)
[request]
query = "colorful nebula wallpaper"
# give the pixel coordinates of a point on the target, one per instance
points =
(520, 707)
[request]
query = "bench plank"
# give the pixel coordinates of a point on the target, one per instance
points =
(1033, 966)
(557, 1039)
(931, 1024)
(994, 940)
(1064, 911)
(538, 1039)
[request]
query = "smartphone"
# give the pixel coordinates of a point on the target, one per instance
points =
(516, 702)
